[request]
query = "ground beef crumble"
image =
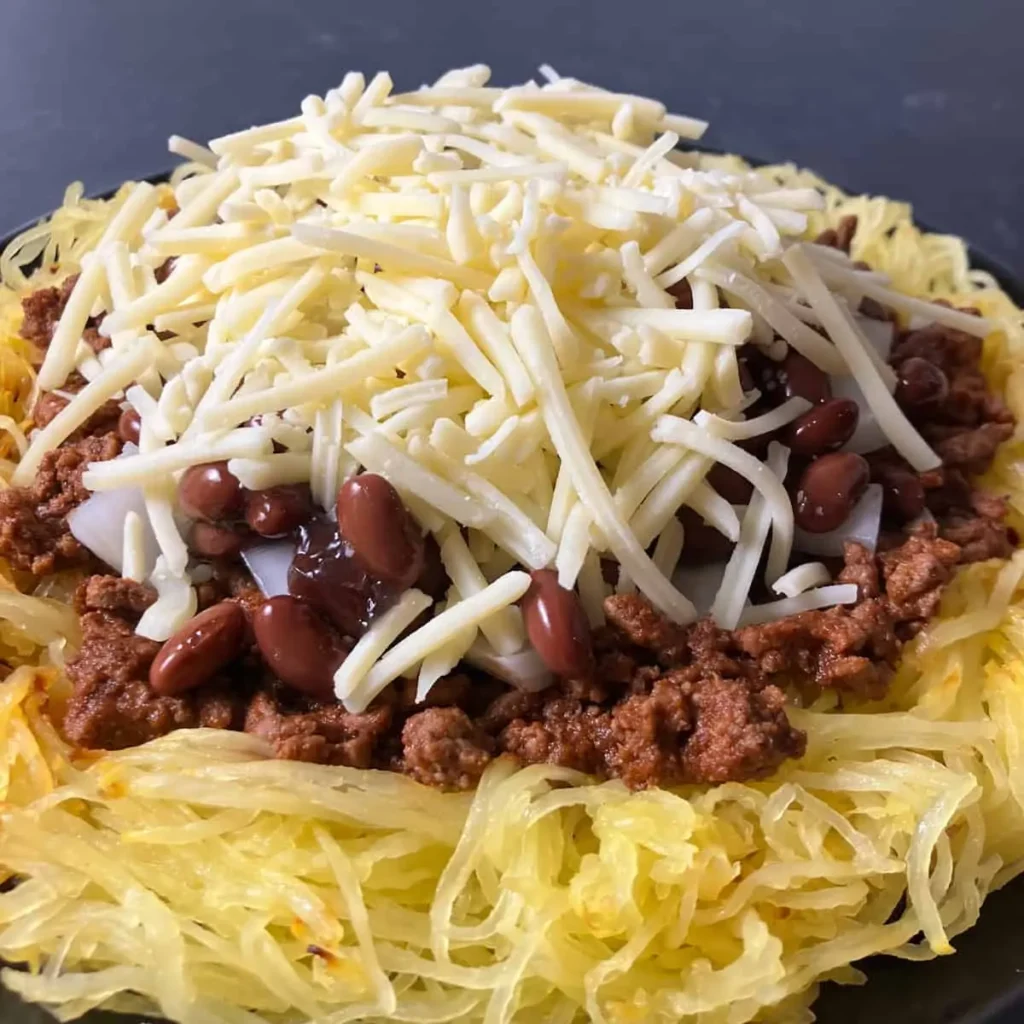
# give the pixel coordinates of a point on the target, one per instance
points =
(49, 404)
(112, 705)
(966, 428)
(34, 534)
(42, 309)
(443, 746)
(306, 730)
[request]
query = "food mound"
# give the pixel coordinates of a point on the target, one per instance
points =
(467, 557)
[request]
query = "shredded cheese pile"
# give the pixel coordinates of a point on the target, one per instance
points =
(465, 289)
(196, 879)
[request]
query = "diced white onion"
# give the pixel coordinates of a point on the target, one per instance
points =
(524, 670)
(700, 583)
(868, 435)
(269, 564)
(98, 524)
(881, 334)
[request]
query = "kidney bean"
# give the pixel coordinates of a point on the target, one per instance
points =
(209, 491)
(433, 578)
(129, 424)
(902, 494)
(730, 485)
(702, 544)
(920, 384)
(374, 521)
(299, 647)
(800, 377)
(874, 310)
(557, 626)
(825, 428)
(829, 488)
(682, 293)
(199, 650)
(212, 540)
(278, 510)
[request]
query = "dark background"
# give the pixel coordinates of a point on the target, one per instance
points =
(917, 99)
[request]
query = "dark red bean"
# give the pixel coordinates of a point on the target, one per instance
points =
(210, 491)
(128, 426)
(920, 384)
(199, 650)
(433, 578)
(374, 521)
(829, 488)
(730, 485)
(212, 540)
(825, 428)
(874, 310)
(557, 626)
(278, 510)
(299, 647)
(845, 230)
(702, 544)
(610, 571)
(800, 377)
(902, 494)
(682, 293)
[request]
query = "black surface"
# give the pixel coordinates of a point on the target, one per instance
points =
(913, 99)
(918, 100)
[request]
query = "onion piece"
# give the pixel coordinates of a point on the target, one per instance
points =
(869, 436)
(98, 524)
(700, 583)
(524, 670)
(862, 526)
(269, 564)
(880, 333)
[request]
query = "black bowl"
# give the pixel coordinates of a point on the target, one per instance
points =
(982, 984)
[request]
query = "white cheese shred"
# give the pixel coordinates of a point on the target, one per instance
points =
(808, 601)
(383, 632)
(742, 566)
(696, 437)
(801, 578)
(471, 611)
(529, 336)
(504, 629)
(133, 558)
(176, 603)
(853, 347)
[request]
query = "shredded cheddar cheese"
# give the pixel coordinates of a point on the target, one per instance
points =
(426, 284)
